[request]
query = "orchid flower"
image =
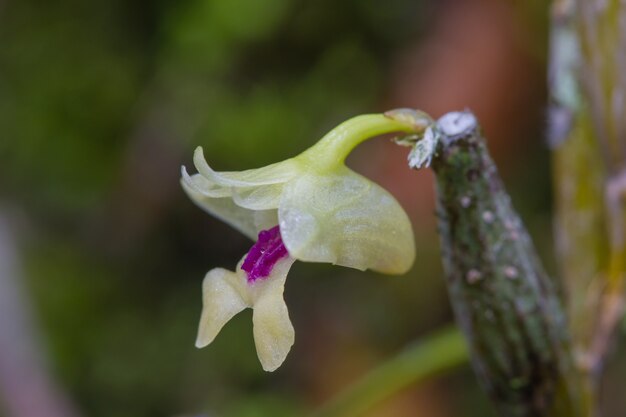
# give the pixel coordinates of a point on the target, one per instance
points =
(309, 208)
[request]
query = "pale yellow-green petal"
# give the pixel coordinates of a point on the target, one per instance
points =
(203, 186)
(248, 222)
(226, 293)
(271, 174)
(345, 219)
(273, 331)
(221, 300)
(263, 197)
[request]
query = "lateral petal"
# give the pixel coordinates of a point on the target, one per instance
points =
(271, 174)
(263, 197)
(203, 186)
(249, 222)
(345, 219)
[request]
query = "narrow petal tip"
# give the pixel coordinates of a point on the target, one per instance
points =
(204, 338)
(221, 300)
(200, 343)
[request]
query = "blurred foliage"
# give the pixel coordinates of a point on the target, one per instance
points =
(78, 77)
(92, 94)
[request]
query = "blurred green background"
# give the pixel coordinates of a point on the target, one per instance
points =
(100, 104)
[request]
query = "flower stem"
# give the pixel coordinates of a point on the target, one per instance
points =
(432, 356)
(340, 141)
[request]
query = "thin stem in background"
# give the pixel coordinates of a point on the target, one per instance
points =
(432, 356)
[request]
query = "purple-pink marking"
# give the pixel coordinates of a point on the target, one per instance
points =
(264, 254)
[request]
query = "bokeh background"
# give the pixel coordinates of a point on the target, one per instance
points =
(102, 255)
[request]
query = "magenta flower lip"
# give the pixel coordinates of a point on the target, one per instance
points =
(264, 254)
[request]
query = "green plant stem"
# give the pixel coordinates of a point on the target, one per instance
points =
(432, 356)
(505, 303)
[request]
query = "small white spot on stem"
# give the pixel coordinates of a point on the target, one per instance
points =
(466, 201)
(473, 276)
(510, 272)
(488, 216)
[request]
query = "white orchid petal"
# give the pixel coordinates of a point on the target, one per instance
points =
(263, 197)
(248, 222)
(272, 174)
(345, 219)
(273, 332)
(203, 186)
(326, 213)
(222, 298)
(265, 219)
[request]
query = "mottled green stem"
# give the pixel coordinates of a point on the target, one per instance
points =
(505, 303)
